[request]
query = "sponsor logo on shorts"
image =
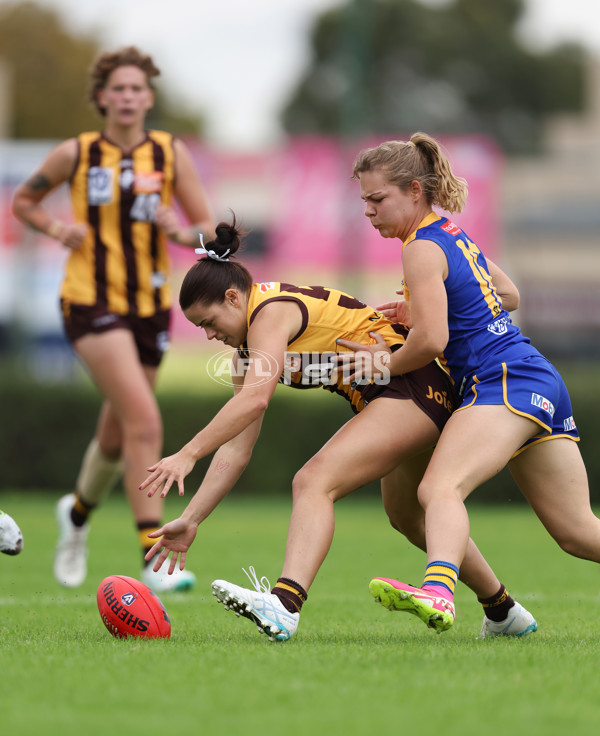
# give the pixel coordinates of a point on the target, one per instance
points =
(543, 403)
(440, 398)
(106, 319)
(569, 424)
(162, 341)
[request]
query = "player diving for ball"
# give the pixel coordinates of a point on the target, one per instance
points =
(278, 330)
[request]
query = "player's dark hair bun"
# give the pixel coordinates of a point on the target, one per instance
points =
(229, 237)
(210, 277)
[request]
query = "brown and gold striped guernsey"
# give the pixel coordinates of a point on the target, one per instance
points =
(327, 314)
(123, 263)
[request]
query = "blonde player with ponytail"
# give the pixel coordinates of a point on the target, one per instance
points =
(514, 406)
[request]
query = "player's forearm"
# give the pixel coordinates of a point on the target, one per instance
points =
(33, 214)
(190, 236)
(225, 469)
(236, 416)
(220, 478)
(414, 354)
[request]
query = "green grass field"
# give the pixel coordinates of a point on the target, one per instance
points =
(353, 667)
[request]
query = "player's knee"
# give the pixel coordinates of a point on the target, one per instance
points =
(300, 484)
(425, 493)
(308, 482)
(111, 448)
(429, 492)
(572, 544)
(578, 535)
(146, 429)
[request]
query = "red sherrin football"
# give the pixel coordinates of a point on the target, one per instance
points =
(129, 608)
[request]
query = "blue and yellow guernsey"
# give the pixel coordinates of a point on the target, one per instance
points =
(479, 328)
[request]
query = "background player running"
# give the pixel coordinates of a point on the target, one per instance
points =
(115, 296)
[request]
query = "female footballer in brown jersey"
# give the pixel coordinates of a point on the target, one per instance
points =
(287, 333)
(115, 296)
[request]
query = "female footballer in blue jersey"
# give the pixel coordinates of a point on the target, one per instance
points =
(514, 406)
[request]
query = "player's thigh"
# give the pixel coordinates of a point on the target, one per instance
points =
(553, 479)
(109, 430)
(477, 442)
(113, 362)
(370, 446)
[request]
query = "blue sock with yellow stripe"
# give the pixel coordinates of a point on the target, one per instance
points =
(441, 578)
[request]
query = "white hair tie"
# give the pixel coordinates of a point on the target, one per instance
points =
(211, 253)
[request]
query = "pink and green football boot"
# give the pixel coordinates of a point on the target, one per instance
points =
(436, 612)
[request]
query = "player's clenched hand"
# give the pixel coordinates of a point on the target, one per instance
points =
(176, 538)
(166, 219)
(72, 236)
(168, 471)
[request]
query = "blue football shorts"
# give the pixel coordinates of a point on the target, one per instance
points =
(531, 387)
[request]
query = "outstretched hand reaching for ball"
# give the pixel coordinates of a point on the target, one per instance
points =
(176, 537)
(167, 471)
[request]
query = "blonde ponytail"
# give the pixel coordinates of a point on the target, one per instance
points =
(451, 191)
(420, 159)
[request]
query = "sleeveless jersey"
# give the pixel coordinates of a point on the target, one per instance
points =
(123, 263)
(327, 314)
(479, 328)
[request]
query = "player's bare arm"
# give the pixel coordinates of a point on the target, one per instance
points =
(505, 288)
(269, 334)
(190, 193)
(227, 465)
(425, 266)
(54, 171)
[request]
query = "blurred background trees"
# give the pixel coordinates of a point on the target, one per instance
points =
(48, 70)
(396, 66)
(378, 66)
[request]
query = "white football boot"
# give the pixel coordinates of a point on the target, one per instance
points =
(11, 538)
(70, 557)
(162, 582)
(519, 622)
(260, 605)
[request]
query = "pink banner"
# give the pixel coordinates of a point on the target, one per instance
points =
(306, 226)
(303, 205)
